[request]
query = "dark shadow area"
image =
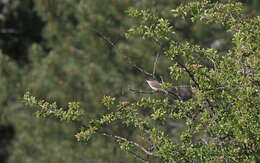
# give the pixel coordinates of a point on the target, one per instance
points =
(7, 133)
(20, 27)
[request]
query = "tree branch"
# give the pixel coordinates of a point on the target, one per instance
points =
(143, 71)
(137, 157)
(130, 142)
(175, 95)
(190, 74)
(138, 91)
(79, 51)
(104, 38)
(196, 84)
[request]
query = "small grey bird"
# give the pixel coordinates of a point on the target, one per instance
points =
(155, 85)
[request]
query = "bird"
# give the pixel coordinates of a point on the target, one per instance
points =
(155, 85)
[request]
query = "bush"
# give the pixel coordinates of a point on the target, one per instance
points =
(220, 123)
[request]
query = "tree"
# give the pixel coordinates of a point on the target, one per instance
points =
(72, 60)
(220, 120)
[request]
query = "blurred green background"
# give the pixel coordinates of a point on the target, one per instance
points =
(75, 50)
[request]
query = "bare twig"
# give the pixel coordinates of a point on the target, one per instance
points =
(105, 38)
(80, 51)
(154, 64)
(140, 69)
(143, 71)
(148, 141)
(190, 86)
(190, 74)
(181, 86)
(139, 91)
(130, 142)
(196, 84)
(219, 88)
(214, 64)
(8, 31)
(161, 79)
(137, 157)
(176, 95)
(113, 45)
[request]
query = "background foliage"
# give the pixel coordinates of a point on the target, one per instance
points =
(76, 51)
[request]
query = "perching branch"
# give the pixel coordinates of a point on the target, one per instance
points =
(130, 142)
(139, 91)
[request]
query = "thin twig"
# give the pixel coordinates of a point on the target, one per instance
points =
(190, 75)
(143, 71)
(176, 95)
(190, 86)
(148, 141)
(196, 84)
(137, 157)
(219, 88)
(214, 64)
(181, 86)
(154, 64)
(80, 51)
(140, 69)
(139, 91)
(8, 31)
(161, 79)
(130, 142)
(105, 38)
